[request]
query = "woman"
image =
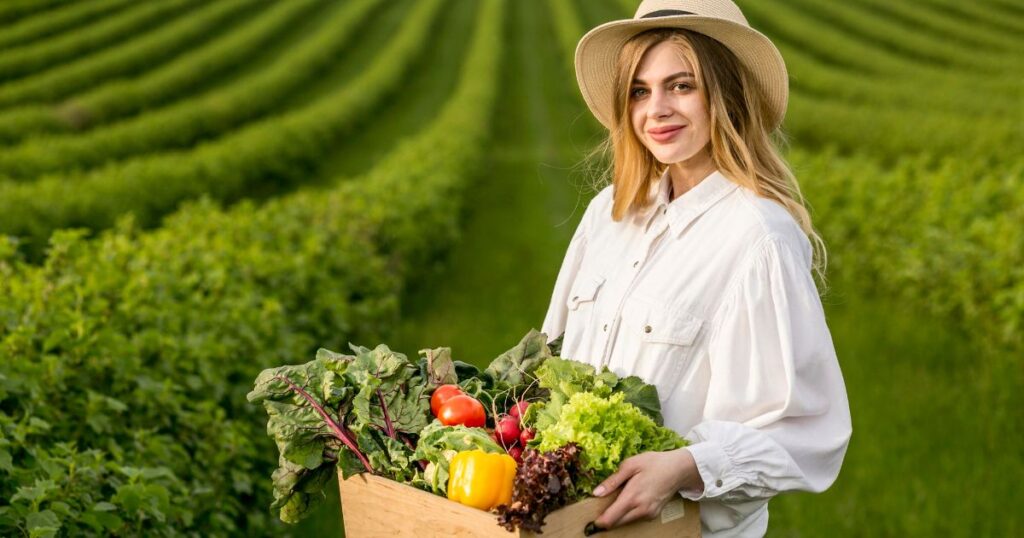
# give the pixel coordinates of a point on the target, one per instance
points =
(694, 268)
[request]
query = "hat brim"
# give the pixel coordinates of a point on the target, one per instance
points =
(598, 50)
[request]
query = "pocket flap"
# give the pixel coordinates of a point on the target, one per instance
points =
(671, 327)
(584, 290)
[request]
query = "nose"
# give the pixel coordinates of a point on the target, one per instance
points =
(658, 105)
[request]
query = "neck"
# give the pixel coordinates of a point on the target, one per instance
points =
(685, 175)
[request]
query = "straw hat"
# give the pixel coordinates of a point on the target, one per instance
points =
(598, 50)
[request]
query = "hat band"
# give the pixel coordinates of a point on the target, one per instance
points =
(666, 13)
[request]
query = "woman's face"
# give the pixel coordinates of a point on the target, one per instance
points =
(667, 111)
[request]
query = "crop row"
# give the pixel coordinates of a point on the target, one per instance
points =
(276, 152)
(32, 58)
(58, 21)
(153, 351)
(786, 23)
(187, 121)
(946, 235)
(891, 133)
(129, 57)
(907, 42)
(981, 15)
(13, 10)
(810, 76)
(920, 18)
(568, 28)
(121, 97)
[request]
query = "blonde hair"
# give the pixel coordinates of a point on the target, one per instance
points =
(743, 146)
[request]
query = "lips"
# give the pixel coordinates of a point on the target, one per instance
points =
(664, 134)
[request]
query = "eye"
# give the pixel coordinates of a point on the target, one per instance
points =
(636, 93)
(682, 86)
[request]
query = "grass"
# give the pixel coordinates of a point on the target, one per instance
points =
(926, 457)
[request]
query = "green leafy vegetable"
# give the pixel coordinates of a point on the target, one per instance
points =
(607, 429)
(566, 377)
(439, 443)
(362, 412)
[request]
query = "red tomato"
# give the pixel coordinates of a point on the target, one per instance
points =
(441, 395)
(462, 409)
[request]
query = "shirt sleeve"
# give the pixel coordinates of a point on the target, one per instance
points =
(776, 417)
(554, 321)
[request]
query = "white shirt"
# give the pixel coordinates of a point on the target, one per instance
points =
(710, 298)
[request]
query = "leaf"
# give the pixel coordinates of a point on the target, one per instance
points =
(34, 494)
(513, 366)
(297, 490)
(440, 366)
(386, 381)
(6, 462)
(556, 345)
(104, 506)
(438, 443)
(642, 395)
(101, 521)
(44, 523)
(567, 377)
(299, 432)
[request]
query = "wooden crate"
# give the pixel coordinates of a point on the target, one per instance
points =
(373, 506)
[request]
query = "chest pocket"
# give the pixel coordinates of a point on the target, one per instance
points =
(666, 343)
(662, 326)
(584, 291)
(580, 304)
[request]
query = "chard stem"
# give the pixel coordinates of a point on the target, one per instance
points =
(387, 418)
(340, 432)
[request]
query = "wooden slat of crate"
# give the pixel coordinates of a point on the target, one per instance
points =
(377, 507)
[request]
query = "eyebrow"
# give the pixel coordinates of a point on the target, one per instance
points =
(668, 78)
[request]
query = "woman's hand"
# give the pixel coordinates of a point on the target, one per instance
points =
(648, 482)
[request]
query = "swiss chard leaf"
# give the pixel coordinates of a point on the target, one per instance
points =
(516, 366)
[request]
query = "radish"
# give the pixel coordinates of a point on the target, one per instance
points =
(517, 453)
(507, 430)
(519, 409)
(526, 436)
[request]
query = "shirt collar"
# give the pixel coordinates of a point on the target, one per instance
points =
(687, 206)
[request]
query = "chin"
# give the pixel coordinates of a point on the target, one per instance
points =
(669, 157)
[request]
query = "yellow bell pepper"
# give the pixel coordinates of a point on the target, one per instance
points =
(481, 480)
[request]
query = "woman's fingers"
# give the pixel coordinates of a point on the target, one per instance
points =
(619, 477)
(637, 513)
(616, 511)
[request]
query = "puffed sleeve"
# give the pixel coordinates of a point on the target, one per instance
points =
(554, 321)
(776, 417)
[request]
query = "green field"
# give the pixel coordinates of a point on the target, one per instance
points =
(191, 192)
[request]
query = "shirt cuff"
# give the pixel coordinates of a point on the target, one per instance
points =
(714, 467)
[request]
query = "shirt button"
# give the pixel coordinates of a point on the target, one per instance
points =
(605, 328)
(718, 483)
(663, 211)
(636, 263)
(647, 328)
(576, 298)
